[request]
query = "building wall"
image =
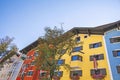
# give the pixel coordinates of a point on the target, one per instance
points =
(86, 65)
(114, 61)
(26, 67)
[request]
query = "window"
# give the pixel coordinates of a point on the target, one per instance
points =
(118, 69)
(33, 63)
(42, 74)
(114, 40)
(77, 39)
(59, 73)
(36, 54)
(98, 57)
(60, 62)
(63, 51)
(76, 49)
(76, 57)
(98, 71)
(29, 73)
(95, 45)
(76, 73)
(116, 53)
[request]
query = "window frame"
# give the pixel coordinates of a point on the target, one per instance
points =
(100, 57)
(61, 73)
(78, 58)
(116, 53)
(118, 69)
(29, 73)
(61, 63)
(78, 72)
(114, 39)
(93, 45)
(102, 71)
(79, 49)
(78, 39)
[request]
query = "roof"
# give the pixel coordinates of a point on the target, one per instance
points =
(29, 47)
(99, 30)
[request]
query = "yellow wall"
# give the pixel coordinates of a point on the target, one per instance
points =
(86, 65)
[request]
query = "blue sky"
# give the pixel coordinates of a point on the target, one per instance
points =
(25, 20)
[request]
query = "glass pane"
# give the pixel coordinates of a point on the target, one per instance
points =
(96, 45)
(77, 49)
(74, 58)
(60, 62)
(118, 53)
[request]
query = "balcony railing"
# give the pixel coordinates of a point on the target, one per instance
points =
(98, 76)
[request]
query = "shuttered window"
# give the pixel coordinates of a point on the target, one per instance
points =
(116, 53)
(114, 40)
(95, 45)
(98, 71)
(76, 73)
(118, 69)
(98, 57)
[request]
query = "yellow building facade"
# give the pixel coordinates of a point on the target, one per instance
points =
(82, 59)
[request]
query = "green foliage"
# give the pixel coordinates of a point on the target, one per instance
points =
(7, 46)
(51, 47)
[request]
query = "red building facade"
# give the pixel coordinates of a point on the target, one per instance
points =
(28, 70)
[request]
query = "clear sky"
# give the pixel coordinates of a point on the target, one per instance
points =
(25, 20)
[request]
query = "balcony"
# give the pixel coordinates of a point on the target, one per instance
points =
(98, 73)
(98, 76)
(75, 78)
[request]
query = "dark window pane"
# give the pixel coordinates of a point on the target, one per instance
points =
(77, 39)
(118, 53)
(60, 62)
(115, 53)
(74, 58)
(30, 73)
(36, 54)
(59, 73)
(98, 71)
(75, 49)
(76, 73)
(63, 51)
(118, 69)
(116, 39)
(98, 57)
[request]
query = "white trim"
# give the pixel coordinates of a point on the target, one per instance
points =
(111, 76)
